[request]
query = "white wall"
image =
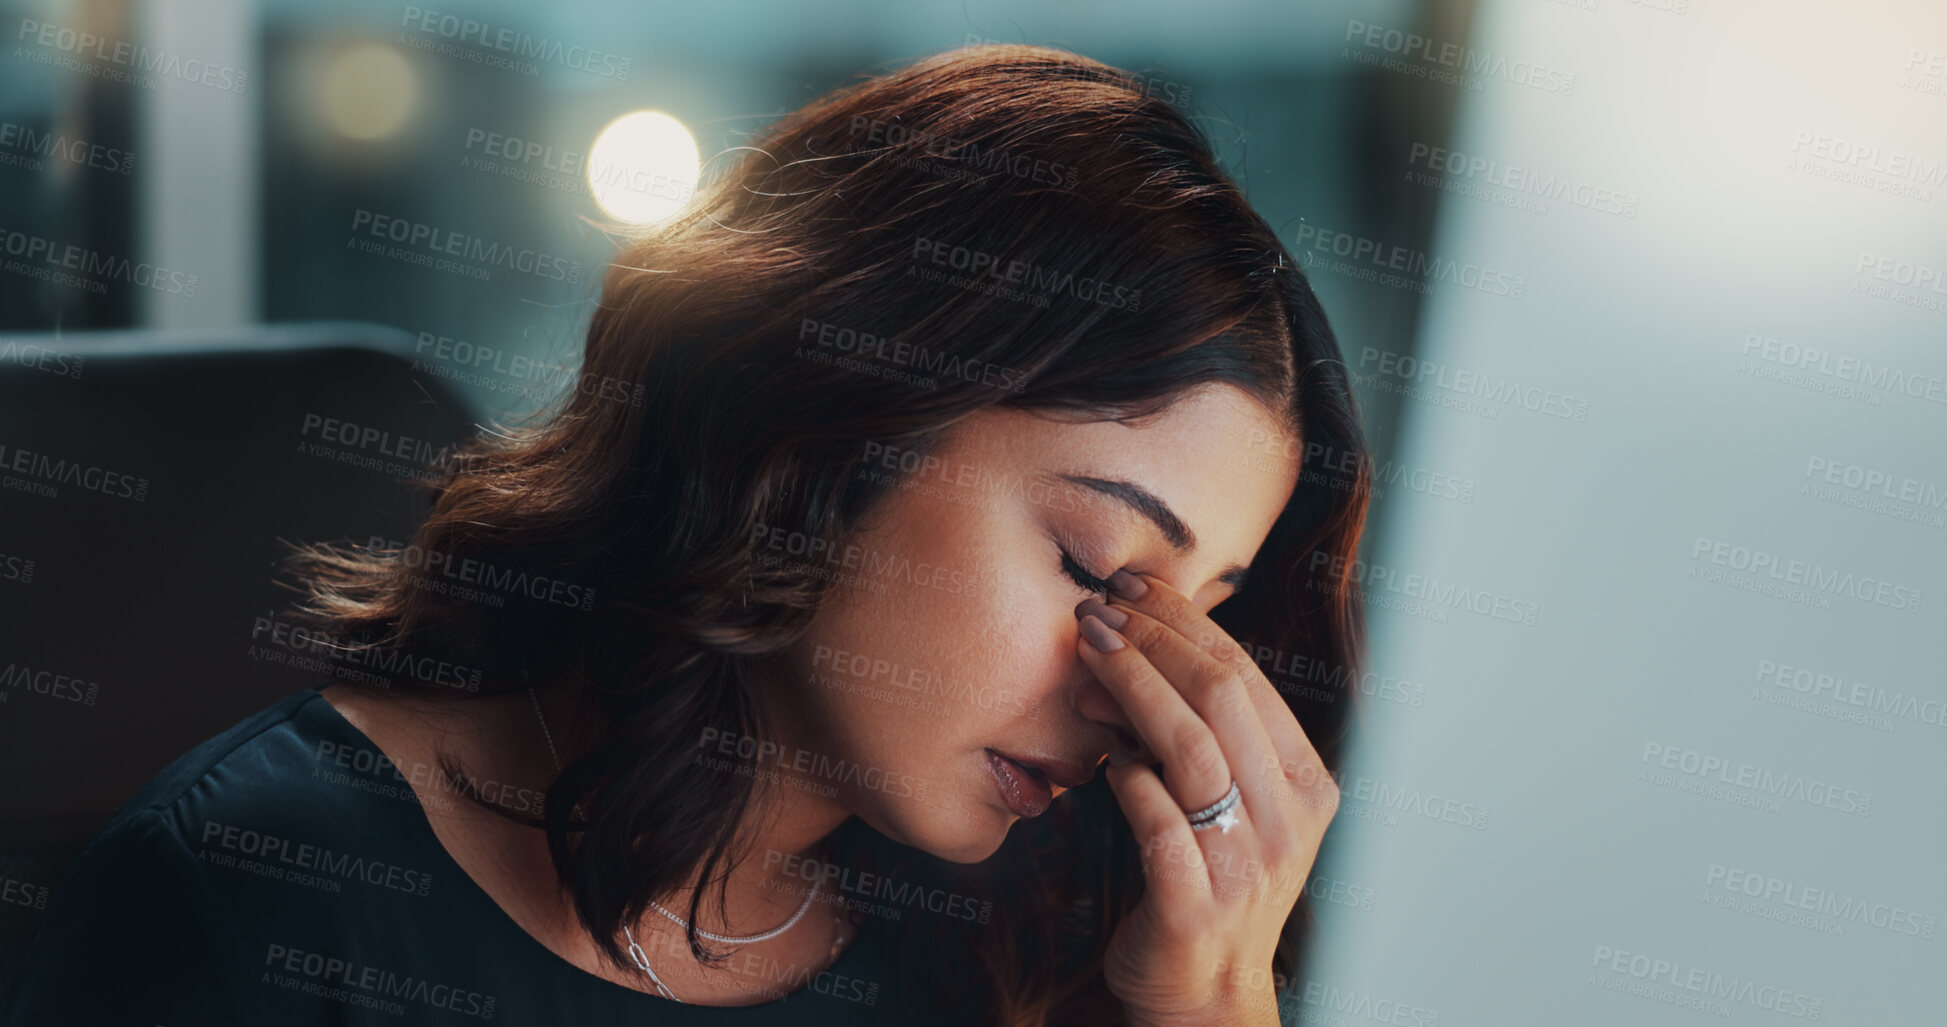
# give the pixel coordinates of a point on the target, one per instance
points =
(1742, 230)
(200, 137)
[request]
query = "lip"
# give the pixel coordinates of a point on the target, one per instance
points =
(1061, 773)
(1024, 793)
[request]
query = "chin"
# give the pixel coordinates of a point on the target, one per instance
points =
(974, 851)
(970, 840)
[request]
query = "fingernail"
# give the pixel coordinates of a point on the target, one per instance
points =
(1099, 635)
(1118, 758)
(1127, 585)
(1110, 615)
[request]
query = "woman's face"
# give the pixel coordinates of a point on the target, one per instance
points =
(950, 637)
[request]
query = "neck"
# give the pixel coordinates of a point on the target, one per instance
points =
(781, 843)
(780, 840)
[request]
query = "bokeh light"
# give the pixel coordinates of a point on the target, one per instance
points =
(369, 91)
(643, 167)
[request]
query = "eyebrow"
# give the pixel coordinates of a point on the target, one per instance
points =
(1151, 506)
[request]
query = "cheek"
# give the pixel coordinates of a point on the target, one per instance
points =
(973, 641)
(1005, 652)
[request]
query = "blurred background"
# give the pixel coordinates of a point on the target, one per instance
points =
(1645, 302)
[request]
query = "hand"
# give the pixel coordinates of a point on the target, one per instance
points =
(1216, 901)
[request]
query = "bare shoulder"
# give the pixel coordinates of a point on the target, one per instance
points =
(404, 730)
(364, 712)
(419, 733)
(342, 698)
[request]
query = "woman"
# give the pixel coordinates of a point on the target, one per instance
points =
(887, 648)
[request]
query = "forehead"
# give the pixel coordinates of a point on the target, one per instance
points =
(1215, 456)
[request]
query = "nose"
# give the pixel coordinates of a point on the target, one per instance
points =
(1094, 704)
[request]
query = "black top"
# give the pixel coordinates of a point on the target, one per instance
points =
(273, 875)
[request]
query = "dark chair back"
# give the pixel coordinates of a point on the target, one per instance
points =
(147, 482)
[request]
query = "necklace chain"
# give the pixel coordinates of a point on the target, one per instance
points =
(545, 733)
(635, 950)
(755, 938)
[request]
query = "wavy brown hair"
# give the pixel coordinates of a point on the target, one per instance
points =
(1142, 273)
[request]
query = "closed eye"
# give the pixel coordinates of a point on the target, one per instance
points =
(1082, 577)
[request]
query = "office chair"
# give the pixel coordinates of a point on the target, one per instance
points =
(146, 480)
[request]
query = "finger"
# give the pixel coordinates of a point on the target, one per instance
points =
(1158, 599)
(1194, 767)
(1297, 759)
(1217, 692)
(1170, 854)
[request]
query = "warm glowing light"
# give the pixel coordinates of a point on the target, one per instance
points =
(369, 91)
(643, 167)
